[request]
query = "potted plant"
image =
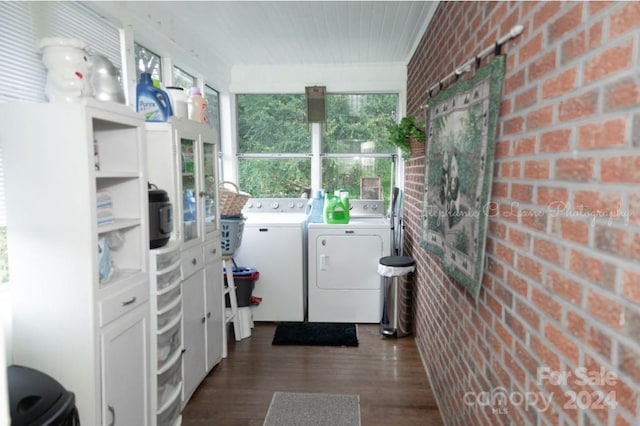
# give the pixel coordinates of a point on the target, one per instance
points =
(401, 134)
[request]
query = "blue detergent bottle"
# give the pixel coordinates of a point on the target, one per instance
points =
(315, 208)
(152, 101)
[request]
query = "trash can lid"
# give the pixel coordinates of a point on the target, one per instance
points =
(397, 261)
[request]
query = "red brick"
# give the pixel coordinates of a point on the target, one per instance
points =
(530, 49)
(600, 341)
(567, 22)
(503, 148)
(548, 356)
(510, 169)
(524, 146)
(576, 324)
(597, 6)
(621, 94)
(594, 204)
(632, 214)
(547, 303)
(624, 19)
(497, 229)
(605, 309)
(548, 250)
(503, 334)
(513, 125)
(505, 107)
(536, 169)
(629, 361)
(526, 99)
(593, 268)
(574, 47)
(521, 192)
(560, 284)
(542, 117)
(550, 196)
(602, 134)
(624, 243)
(514, 82)
(547, 11)
(595, 35)
(574, 169)
(560, 84)
(563, 342)
(631, 286)
(534, 219)
(612, 60)
(500, 189)
(624, 169)
(528, 314)
(518, 284)
(625, 395)
(574, 230)
(504, 253)
(518, 238)
(530, 267)
(543, 65)
(580, 106)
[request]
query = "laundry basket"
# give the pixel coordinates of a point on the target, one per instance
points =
(231, 200)
(231, 229)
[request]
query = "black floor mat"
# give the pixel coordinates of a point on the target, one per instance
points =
(316, 333)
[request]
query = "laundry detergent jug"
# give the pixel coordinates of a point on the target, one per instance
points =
(315, 208)
(152, 101)
(336, 208)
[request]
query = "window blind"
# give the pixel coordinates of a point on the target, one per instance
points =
(22, 25)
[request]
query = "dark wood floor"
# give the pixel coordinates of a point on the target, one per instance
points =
(387, 374)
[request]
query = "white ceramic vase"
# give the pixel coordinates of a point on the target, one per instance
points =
(69, 69)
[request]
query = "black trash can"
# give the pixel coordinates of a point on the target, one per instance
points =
(37, 399)
(396, 295)
(245, 279)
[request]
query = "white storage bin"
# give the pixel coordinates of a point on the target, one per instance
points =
(165, 299)
(170, 315)
(168, 278)
(169, 383)
(165, 260)
(168, 343)
(169, 416)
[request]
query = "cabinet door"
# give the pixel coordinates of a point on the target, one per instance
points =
(193, 320)
(208, 161)
(125, 369)
(215, 320)
(190, 210)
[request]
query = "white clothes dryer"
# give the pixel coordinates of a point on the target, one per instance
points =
(343, 282)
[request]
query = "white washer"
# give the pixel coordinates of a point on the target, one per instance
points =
(273, 244)
(343, 282)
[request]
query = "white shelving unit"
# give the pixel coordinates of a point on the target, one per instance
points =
(72, 320)
(166, 334)
(182, 160)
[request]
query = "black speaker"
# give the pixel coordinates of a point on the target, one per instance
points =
(316, 112)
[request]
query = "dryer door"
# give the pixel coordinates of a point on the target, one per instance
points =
(348, 261)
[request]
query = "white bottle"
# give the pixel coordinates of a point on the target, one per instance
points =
(197, 106)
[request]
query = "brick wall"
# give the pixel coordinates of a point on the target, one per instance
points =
(561, 288)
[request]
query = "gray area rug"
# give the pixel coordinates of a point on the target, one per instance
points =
(313, 409)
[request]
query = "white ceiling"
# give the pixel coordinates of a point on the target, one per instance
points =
(288, 32)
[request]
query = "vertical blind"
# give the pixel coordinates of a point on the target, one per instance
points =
(22, 25)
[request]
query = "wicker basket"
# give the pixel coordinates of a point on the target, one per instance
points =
(232, 201)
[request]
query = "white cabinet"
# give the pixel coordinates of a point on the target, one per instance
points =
(203, 316)
(182, 160)
(76, 179)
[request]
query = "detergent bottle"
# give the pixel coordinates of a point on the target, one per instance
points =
(315, 208)
(336, 208)
(152, 101)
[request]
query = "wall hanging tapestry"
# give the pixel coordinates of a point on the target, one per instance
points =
(461, 130)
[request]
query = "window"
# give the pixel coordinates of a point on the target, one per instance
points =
(356, 154)
(147, 61)
(274, 142)
(183, 79)
(275, 145)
